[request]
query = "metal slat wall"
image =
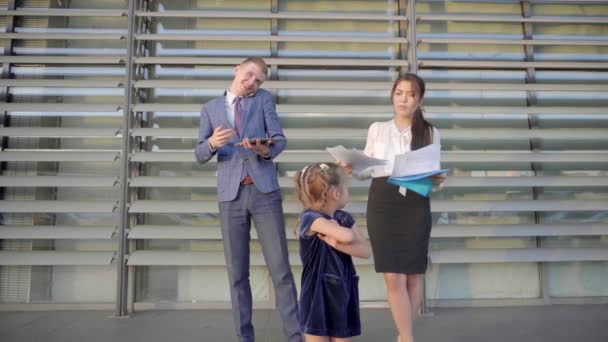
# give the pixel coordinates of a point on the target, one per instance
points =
(61, 144)
(516, 89)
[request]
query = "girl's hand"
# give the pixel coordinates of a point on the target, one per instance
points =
(347, 167)
(328, 240)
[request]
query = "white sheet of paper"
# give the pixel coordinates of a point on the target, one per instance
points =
(422, 160)
(359, 160)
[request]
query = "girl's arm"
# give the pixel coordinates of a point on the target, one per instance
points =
(358, 247)
(331, 229)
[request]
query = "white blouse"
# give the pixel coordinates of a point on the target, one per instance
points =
(384, 141)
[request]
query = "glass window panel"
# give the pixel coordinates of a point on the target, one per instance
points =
(212, 48)
(457, 120)
(482, 281)
(344, 6)
(330, 96)
(578, 279)
(476, 7)
(463, 29)
(567, 53)
(574, 217)
(575, 121)
(572, 99)
(106, 4)
(211, 26)
(570, 9)
(243, 5)
(459, 51)
(75, 284)
(178, 169)
(359, 28)
(578, 31)
(358, 75)
(194, 284)
(483, 218)
(73, 25)
(338, 50)
(474, 76)
(193, 72)
(576, 77)
(493, 194)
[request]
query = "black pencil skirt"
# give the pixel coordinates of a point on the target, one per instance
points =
(399, 228)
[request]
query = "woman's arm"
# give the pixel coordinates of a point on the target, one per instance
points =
(369, 151)
(437, 179)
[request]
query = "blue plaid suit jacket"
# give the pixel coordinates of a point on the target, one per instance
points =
(260, 120)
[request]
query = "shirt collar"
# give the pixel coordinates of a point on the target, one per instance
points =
(230, 96)
(406, 132)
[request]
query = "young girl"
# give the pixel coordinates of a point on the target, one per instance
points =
(329, 298)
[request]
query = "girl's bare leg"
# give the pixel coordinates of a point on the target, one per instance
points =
(399, 302)
(338, 339)
(315, 338)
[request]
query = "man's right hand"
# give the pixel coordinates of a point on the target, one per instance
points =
(221, 136)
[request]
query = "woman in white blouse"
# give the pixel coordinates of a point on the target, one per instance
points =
(399, 221)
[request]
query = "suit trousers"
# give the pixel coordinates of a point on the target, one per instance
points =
(266, 211)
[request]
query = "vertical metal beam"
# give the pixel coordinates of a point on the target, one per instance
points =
(121, 258)
(403, 32)
(274, 75)
(412, 56)
(274, 47)
(526, 12)
(413, 67)
(531, 100)
(4, 91)
(142, 71)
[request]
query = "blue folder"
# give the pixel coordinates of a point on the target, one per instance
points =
(419, 183)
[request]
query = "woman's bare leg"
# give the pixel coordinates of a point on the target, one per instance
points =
(414, 291)
(399, 302)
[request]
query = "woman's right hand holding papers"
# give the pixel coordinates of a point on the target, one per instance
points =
(347, 167)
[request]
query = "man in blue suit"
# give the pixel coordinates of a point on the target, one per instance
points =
(248, 188)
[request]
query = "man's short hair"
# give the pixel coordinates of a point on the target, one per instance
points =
(257, 61)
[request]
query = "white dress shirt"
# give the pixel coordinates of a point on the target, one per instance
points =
(230, 107)
(385, 141)
(229, 113)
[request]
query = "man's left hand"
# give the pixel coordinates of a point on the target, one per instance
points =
(256, 146)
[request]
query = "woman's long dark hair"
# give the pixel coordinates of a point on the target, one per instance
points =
(422, 130)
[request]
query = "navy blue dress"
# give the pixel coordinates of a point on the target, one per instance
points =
(329, 298)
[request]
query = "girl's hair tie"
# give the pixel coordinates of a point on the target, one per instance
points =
(302, 174)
